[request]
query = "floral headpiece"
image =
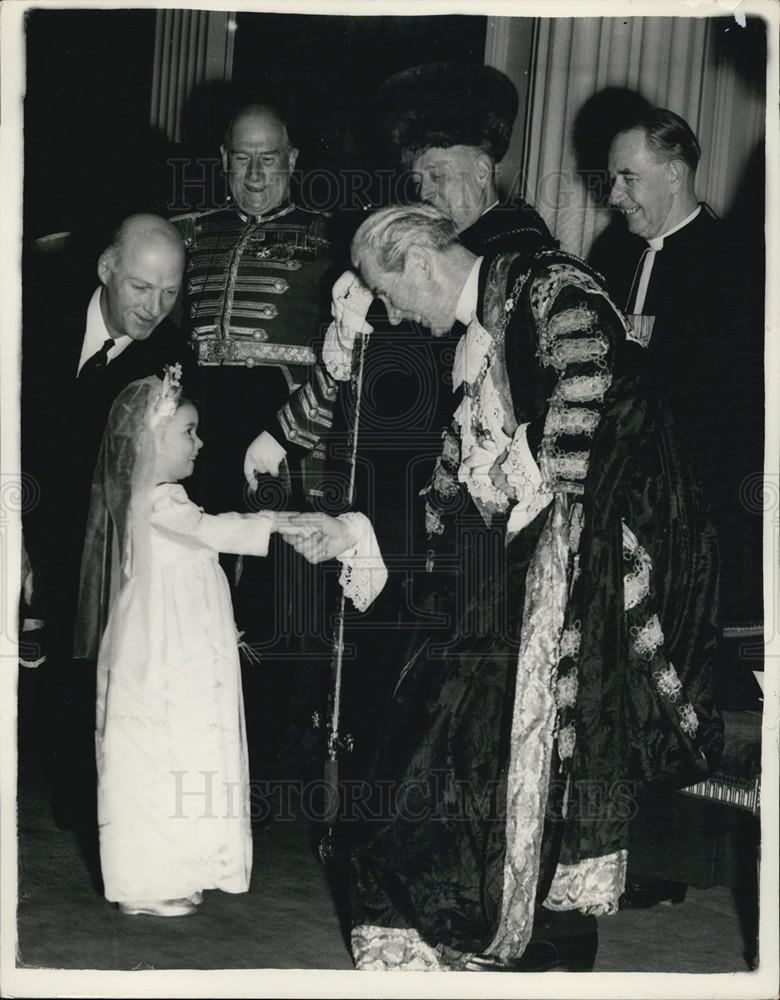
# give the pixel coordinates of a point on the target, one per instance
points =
(167, 400)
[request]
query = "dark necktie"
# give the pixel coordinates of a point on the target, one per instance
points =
(98, 360)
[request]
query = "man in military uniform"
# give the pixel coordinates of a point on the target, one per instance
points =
(255, 294)
(255, 287)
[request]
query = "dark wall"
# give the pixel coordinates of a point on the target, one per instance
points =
(329, 69)
(86, 114)
(91, 157)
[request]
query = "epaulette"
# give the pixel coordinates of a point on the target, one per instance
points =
(314, 211)
(186, 224)
(186, 216)
(319, 225)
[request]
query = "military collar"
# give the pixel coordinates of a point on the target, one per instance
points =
(276, 213)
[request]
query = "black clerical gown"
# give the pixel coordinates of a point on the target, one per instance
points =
(706, 355)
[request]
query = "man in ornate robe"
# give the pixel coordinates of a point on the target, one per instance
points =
(512, 756)
(449, 125)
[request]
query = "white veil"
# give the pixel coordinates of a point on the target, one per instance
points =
(118, 525)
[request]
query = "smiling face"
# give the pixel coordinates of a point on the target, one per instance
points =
(141, 280)
(643, 186)
(178, 445)
(258, 161)
(457, 180)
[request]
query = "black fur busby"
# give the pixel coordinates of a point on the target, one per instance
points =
(448, 104)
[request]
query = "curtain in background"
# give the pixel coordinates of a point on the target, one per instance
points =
(191, 47)
(678, 63)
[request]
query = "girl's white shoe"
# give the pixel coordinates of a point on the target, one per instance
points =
(159, 908)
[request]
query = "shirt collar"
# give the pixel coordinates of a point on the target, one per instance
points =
(466, 308)
(657, 242)
(96, 332)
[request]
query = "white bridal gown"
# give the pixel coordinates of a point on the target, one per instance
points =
(173, 780)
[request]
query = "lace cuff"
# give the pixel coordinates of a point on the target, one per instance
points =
(524, 477)
(349, 306)
(363, 571)
(337, 352)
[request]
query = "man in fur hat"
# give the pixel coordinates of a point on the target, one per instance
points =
(451, 126)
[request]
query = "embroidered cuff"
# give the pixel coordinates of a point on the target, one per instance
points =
(337, 351)
(363, 571)
(350, 301)
(593, 885)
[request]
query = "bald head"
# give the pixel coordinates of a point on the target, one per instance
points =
(258, 159)
(141, 273)
(248, 114)
(146, 229)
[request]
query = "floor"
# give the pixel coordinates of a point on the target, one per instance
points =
(290, 918)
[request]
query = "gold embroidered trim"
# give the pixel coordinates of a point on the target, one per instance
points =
(593, 886)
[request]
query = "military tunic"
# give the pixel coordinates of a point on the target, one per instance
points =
(255, 299)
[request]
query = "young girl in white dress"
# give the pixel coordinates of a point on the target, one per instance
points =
(173, 782)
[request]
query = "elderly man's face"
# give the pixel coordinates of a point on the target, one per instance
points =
(140, 285)
(408, 295)
(640, 184)
(258, 161)
(449, 181)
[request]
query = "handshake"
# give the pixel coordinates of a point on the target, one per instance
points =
(317, 537)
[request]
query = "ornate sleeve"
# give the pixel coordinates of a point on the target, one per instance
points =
(363, 571)
(308, 413)
(173, 513)
(576, 329)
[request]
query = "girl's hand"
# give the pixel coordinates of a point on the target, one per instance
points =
(280, 521)
(317, 537)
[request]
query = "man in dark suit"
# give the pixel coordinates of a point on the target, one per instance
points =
(104, 338)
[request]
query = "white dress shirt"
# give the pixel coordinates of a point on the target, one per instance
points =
(466, 308)
(96, 334)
